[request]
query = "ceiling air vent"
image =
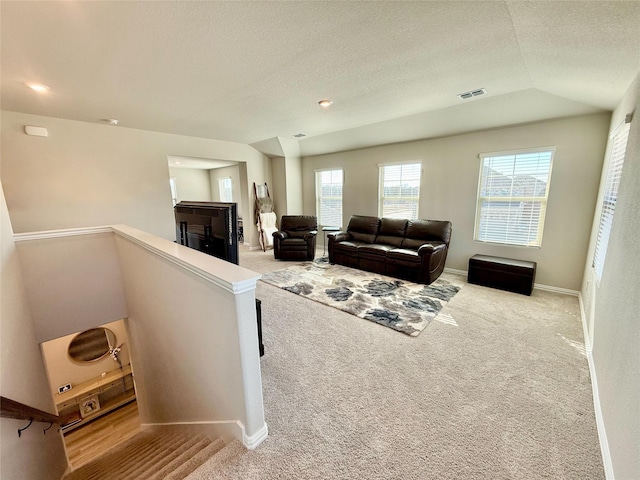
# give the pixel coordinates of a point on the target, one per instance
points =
(472, 93)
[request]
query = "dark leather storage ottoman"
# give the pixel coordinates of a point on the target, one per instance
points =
(504, 273)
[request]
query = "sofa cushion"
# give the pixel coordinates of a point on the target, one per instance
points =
(297, 234)
(391, 231)
(374, 249)
(298, 226)
(294, 242)
(363, 228)
(348, 247)
(403, 255)
(424, 231)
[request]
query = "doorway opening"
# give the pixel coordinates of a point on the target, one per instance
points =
(91, 382)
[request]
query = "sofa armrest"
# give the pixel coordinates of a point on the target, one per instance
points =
(310, 234)
(429, 249)
(280, 235)
(338, 236)
(433, 258)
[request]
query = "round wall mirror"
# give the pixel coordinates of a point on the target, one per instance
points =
(92, 344)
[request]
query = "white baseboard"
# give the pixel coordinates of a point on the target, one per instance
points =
(602, 431)
(455, 272)
(539, 286)
(550, 288)
(251, 442)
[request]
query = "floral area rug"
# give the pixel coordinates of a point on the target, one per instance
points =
(404, 306)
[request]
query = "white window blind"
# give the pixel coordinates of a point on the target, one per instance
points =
(512, 197)
(614, 173)
(400, 190)
(329, 197)
(226, 189)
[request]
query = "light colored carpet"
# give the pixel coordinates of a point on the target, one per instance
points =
(501, 393)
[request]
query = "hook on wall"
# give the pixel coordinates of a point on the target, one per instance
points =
(20, 430)
(45, 430)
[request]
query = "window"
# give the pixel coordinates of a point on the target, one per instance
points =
(512, 197)
(174, 192)
(399, 191)
(226, 192)
(614, 173)
(329, 197)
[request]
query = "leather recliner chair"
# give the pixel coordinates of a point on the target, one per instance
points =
(296, 239)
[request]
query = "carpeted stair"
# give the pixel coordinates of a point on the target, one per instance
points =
(150, 456)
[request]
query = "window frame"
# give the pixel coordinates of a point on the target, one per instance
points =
(615, 166)
(381, 186)
(320, 197)
(541, 200)
(223, 188)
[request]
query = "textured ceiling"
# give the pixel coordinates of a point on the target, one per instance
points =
(252, 71)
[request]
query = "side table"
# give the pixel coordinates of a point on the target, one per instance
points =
(325, 231)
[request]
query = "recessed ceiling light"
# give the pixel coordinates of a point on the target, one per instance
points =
(177, 163)
(325, 103)
(300, 135)
(111, 121)
(37, 87)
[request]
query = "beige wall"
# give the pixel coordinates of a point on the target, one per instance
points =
(84, 271)
(450, 184)
(34, 456)
(190, 353)
(243, 199)
(192, 184)
(233, 173)
(86, 174)
(294, 185)
(62, 370)
(612, 306)
(279, 187)
(258, 172)
(286, 190)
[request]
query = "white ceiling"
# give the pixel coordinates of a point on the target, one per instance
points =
(250, 72)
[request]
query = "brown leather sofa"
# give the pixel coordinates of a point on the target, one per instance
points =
(412, 249)
(296, 239)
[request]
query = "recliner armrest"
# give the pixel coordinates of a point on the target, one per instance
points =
(311, 234)
(280, 235)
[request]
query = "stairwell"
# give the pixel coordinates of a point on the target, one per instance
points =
(151, 456)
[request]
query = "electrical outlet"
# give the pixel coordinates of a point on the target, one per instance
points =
(64, 388)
